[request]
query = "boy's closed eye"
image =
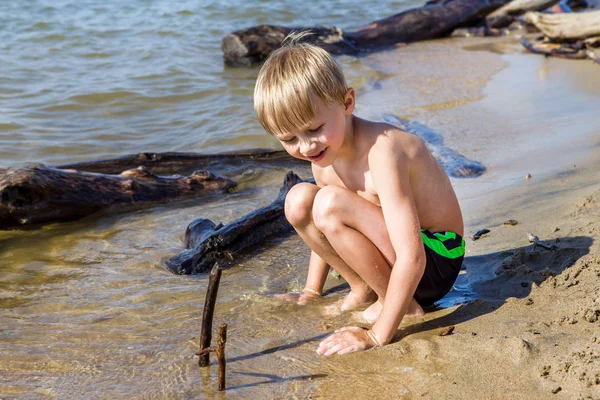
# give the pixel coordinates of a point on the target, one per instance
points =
(288, 140)
(317, 129)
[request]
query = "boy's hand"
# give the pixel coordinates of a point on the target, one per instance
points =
(300, 298)
(346, 340)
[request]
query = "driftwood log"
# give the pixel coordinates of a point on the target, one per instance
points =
(208, 243)
(253, 45)
(184, 163)
(561, 27)
(40, 194)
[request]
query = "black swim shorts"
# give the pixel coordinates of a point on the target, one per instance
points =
(445, 253)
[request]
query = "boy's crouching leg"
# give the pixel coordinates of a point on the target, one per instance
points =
(334, 211)
(299, 204)
(329, 205)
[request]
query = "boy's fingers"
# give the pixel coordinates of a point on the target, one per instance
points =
(349, 349)
(335, 349)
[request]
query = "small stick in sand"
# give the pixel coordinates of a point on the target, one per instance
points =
(221, 355)
(207, 317)
(537, 242)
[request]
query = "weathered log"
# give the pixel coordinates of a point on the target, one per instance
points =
(184, 163)
(209, 244)
(253, 45)
(40, 194)
(506, 14)
(207, 315)
(561, 27)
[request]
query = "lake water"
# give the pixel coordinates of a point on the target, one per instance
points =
(87, 308)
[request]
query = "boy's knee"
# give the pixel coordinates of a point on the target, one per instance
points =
(327, 207)
(299, 203)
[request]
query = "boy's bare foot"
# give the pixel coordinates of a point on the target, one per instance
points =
(352, 301)
(414, 309)
(370, 315)
(300, 298)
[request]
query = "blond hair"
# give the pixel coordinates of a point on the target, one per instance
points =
(288, 79)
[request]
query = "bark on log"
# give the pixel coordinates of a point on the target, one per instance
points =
(184, 163)
(506, 14)
(209, 243)
(40, 194)
(253, 45)
(561, 27)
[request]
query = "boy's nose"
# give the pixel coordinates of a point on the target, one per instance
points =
(307, 148)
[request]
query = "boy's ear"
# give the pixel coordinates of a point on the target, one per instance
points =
(349, 101)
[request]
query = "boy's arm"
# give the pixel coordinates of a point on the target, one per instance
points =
(391, 177)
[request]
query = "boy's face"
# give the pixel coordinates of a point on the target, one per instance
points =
(320, 141)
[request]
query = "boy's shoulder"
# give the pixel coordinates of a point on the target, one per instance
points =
(382, 137)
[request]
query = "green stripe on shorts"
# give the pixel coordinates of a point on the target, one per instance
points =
(437, 245)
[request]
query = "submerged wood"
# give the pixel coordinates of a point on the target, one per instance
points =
(40, 194)
(209, 243)
(180, 163)
(561, 27)
(253, 45)
(506, 14)
(207, 315)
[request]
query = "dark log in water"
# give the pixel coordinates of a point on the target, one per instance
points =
(40, 194)
(184, 163)
(207, 316)
(208, 244)
(253, 45)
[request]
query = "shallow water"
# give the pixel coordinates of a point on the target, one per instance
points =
(88, 309)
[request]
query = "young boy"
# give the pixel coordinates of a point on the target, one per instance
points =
(383, 213)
